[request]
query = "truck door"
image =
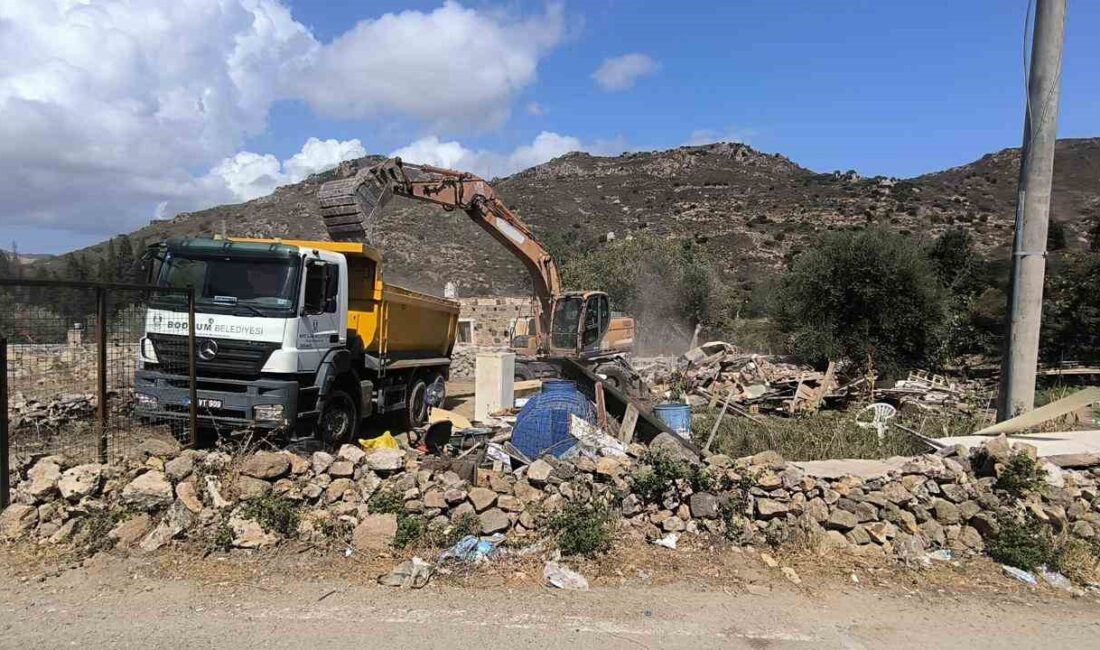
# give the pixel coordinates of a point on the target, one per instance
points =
(319, 323)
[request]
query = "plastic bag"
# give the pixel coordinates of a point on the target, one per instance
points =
(384, 441)
(435, 392)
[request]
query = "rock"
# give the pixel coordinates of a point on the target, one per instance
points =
(631, 505)
(841, 520)
(298, 465)
(351, 453)
(672, 525)
(375, 532)
(42, 479)
(953, 492)
(266, 465)
(461, 510)
(768, 508)
(704, 505)
(865, 512)
(159, 447)
(970, 538)
(187, 495)
(968, 509)
(946, 512)
(434, 499)
(526, 492)
(65, 532)
(1074, 461)
(770, 459)
(213, 488)
(608, 466)
(336, 490)
(985, 523)
(498, 484)
(791, 575)
(881, 531)
(252, 488)
(341, 469)
(539, 471)
(128, 532)
(859, 536)
(149, 491)
(670, 444)
(454, 496)
(248, 533)
(80, 481)
(321, 461)
(17, 519)
(509, 503)
(176, 519)
(494, 520)
(1082, 529)
(481, 498)
(1052, 474)
(817, 509)
(385, 460)
(896, 493)
(179, 467)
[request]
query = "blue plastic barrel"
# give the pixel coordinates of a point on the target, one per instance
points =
(676, 415)
(542, 426)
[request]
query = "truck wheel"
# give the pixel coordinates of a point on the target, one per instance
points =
(339, 420)
(415, 413)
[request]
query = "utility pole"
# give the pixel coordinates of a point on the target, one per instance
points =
(1025, 300)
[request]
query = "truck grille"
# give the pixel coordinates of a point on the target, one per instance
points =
(233, 357)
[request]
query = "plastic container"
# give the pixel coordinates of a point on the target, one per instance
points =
(676, 415)
(542, 426)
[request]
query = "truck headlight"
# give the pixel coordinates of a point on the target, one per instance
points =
(268, 412)
(147, 402)
(148, 352)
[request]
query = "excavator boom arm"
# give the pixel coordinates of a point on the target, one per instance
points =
(351, 206)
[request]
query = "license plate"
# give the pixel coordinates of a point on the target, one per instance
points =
(205, 403)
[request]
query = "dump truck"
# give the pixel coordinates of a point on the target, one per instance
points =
(577, 325)
(300, 336)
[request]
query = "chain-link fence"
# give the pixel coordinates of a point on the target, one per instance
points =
(69, 352)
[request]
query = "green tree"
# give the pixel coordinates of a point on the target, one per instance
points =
(1071, 309)
(866, 296)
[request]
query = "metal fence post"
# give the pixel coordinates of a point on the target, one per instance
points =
(193, 408)
(101, 372)
(5, 461)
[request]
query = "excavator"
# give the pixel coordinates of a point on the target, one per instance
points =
(576, 325)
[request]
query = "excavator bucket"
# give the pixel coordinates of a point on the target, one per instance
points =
(350, 206)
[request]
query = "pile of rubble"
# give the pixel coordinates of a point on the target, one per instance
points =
(936, 393)
(24, 412)
(355, 499)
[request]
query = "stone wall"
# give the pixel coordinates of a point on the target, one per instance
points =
(947, 500)
(492, 317)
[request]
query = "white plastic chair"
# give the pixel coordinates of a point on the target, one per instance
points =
(876, 416)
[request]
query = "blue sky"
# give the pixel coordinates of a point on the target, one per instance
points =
(143, 110)
(892, 88)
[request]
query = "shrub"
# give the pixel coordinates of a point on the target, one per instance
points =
(1076, 559)
(869, 296)
(658, 472)
(583, 528)
(410, 530)
(274, 514)
(1022, 474)
(385, 502)
(1021, 540)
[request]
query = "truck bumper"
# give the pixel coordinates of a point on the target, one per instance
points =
(238, 400)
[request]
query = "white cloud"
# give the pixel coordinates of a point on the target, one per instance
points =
(709, 136)
(114, 110)
(249, 175)
(535, 108)
(489, 164)
(453, 66)
(621, 72)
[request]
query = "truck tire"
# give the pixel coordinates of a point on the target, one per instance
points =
(338, 422)
(415, 413)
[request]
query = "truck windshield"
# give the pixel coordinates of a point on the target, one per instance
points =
(246, 285)
(566, 324)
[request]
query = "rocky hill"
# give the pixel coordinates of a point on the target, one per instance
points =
(749, 209)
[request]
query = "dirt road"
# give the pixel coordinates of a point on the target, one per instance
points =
(116, 603)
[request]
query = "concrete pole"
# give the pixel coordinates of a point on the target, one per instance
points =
(1025, 301)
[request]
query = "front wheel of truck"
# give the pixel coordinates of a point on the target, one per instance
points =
(339, 419)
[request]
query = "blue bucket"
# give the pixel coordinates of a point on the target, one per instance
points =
(676, 415)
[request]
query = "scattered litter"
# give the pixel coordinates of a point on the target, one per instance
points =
(668, 541)
(593, 442)
(941, 555)
(1021, 575)
(495, 452)
(471, 549)
(384, 441)
(1055, 579)
(562, 577)
(410, 574)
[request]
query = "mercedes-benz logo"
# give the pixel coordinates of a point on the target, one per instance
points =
(208, 349)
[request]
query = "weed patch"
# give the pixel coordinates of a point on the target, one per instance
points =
(385, 502)
(1021, 540)
(274, 514)
(1021, 475)
(583, 528)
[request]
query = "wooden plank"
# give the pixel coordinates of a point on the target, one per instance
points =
(601, 407)
(630, 420)
(1058, 408)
